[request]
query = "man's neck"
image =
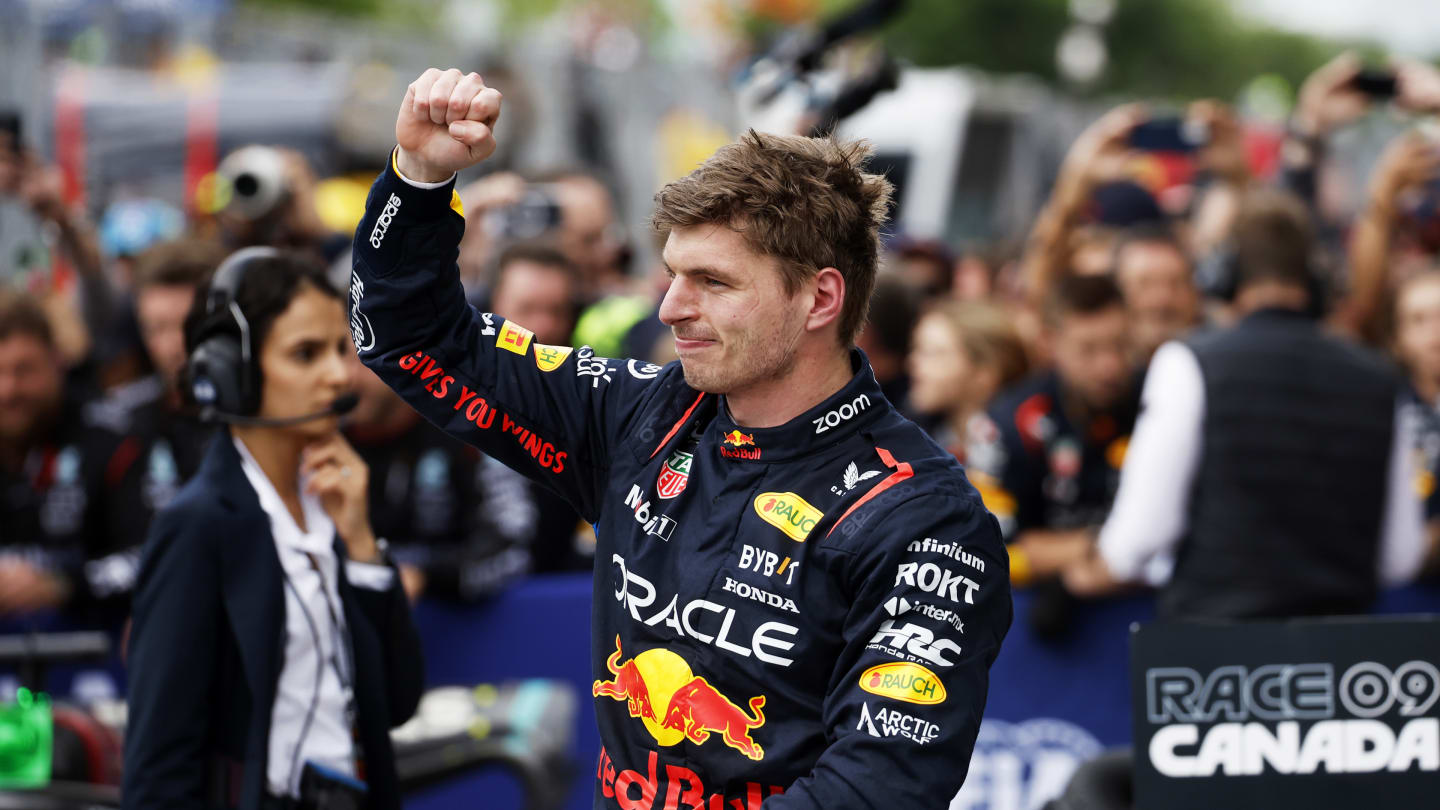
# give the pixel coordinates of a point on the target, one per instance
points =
(813, 378)
(1271, 295)
(278, 455)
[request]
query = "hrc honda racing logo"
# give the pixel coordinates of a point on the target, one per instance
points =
(1287, 718)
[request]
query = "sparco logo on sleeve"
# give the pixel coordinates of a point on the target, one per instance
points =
(383, 223)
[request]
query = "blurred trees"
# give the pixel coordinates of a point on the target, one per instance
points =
(1185, 48)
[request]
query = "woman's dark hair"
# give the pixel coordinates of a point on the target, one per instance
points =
(265, 291)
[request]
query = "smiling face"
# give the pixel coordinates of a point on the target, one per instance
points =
(734, 323)
(303, 362)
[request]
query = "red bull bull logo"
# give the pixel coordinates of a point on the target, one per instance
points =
(675, 704)
(738, 439)
(742, 446)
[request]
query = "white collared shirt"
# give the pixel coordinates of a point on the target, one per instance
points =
(310, 723)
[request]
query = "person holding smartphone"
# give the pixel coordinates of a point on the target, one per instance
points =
(272, 648)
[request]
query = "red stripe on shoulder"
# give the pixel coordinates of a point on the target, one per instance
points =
(902, 471)
(674, 429)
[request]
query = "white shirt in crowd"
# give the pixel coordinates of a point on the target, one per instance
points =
(1149, 518)
(310, 719)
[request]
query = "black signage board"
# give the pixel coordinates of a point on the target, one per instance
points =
(1321, 714)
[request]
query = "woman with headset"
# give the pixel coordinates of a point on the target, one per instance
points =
(272, 648)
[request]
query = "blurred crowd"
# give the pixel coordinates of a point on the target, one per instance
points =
(1026, 359)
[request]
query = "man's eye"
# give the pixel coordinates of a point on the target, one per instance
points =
(714, 282)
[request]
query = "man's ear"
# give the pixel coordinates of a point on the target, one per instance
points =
(827, 300)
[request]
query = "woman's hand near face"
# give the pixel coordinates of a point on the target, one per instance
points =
(334, 472)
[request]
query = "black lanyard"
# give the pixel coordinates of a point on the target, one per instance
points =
(342, 658)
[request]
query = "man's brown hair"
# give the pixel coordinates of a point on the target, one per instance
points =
(1272, 239)
(1081, 295)
(21, 314)
(186, 262)
(806, 201)
(988, 336)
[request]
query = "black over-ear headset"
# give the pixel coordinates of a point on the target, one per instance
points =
(224, 367)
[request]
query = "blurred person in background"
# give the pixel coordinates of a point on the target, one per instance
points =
(589, 233)
(1155, 277)
(1269, 474)
(88, 311)
(1331, 99)
(1417, 345)
(1053, 449)
(1076, 229)
(537, 286)
(886, 336)
(166, 278)
(272, 648)
(962, 355)
(925, 266)
(161, 430)
(1396, 235)
(62, 477)
(266, 196)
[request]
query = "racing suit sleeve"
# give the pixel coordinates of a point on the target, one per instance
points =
(549, 412)
(904, 703)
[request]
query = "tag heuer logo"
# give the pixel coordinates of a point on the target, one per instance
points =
(675, 475)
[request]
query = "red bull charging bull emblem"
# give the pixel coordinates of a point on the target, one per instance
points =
(738, 439)
(675, 704)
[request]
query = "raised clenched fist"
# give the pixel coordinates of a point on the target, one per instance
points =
(445, 124)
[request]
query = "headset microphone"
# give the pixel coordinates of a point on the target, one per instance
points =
(342, 405)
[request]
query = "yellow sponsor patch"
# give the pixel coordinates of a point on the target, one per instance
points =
(514, 338)
(549, 358)
(789, 513)
(900, 680)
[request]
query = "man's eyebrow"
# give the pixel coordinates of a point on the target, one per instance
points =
(702, 270)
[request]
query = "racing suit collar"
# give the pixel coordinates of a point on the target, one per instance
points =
(842, 414)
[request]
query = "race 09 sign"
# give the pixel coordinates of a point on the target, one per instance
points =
(1316, 714)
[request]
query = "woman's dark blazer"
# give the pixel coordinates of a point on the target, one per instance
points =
(208, 642)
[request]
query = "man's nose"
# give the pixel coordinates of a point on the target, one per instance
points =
(678, 304)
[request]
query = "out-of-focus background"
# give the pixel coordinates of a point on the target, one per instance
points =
(141, 141)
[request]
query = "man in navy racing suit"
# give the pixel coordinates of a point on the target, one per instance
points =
(797, 594)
